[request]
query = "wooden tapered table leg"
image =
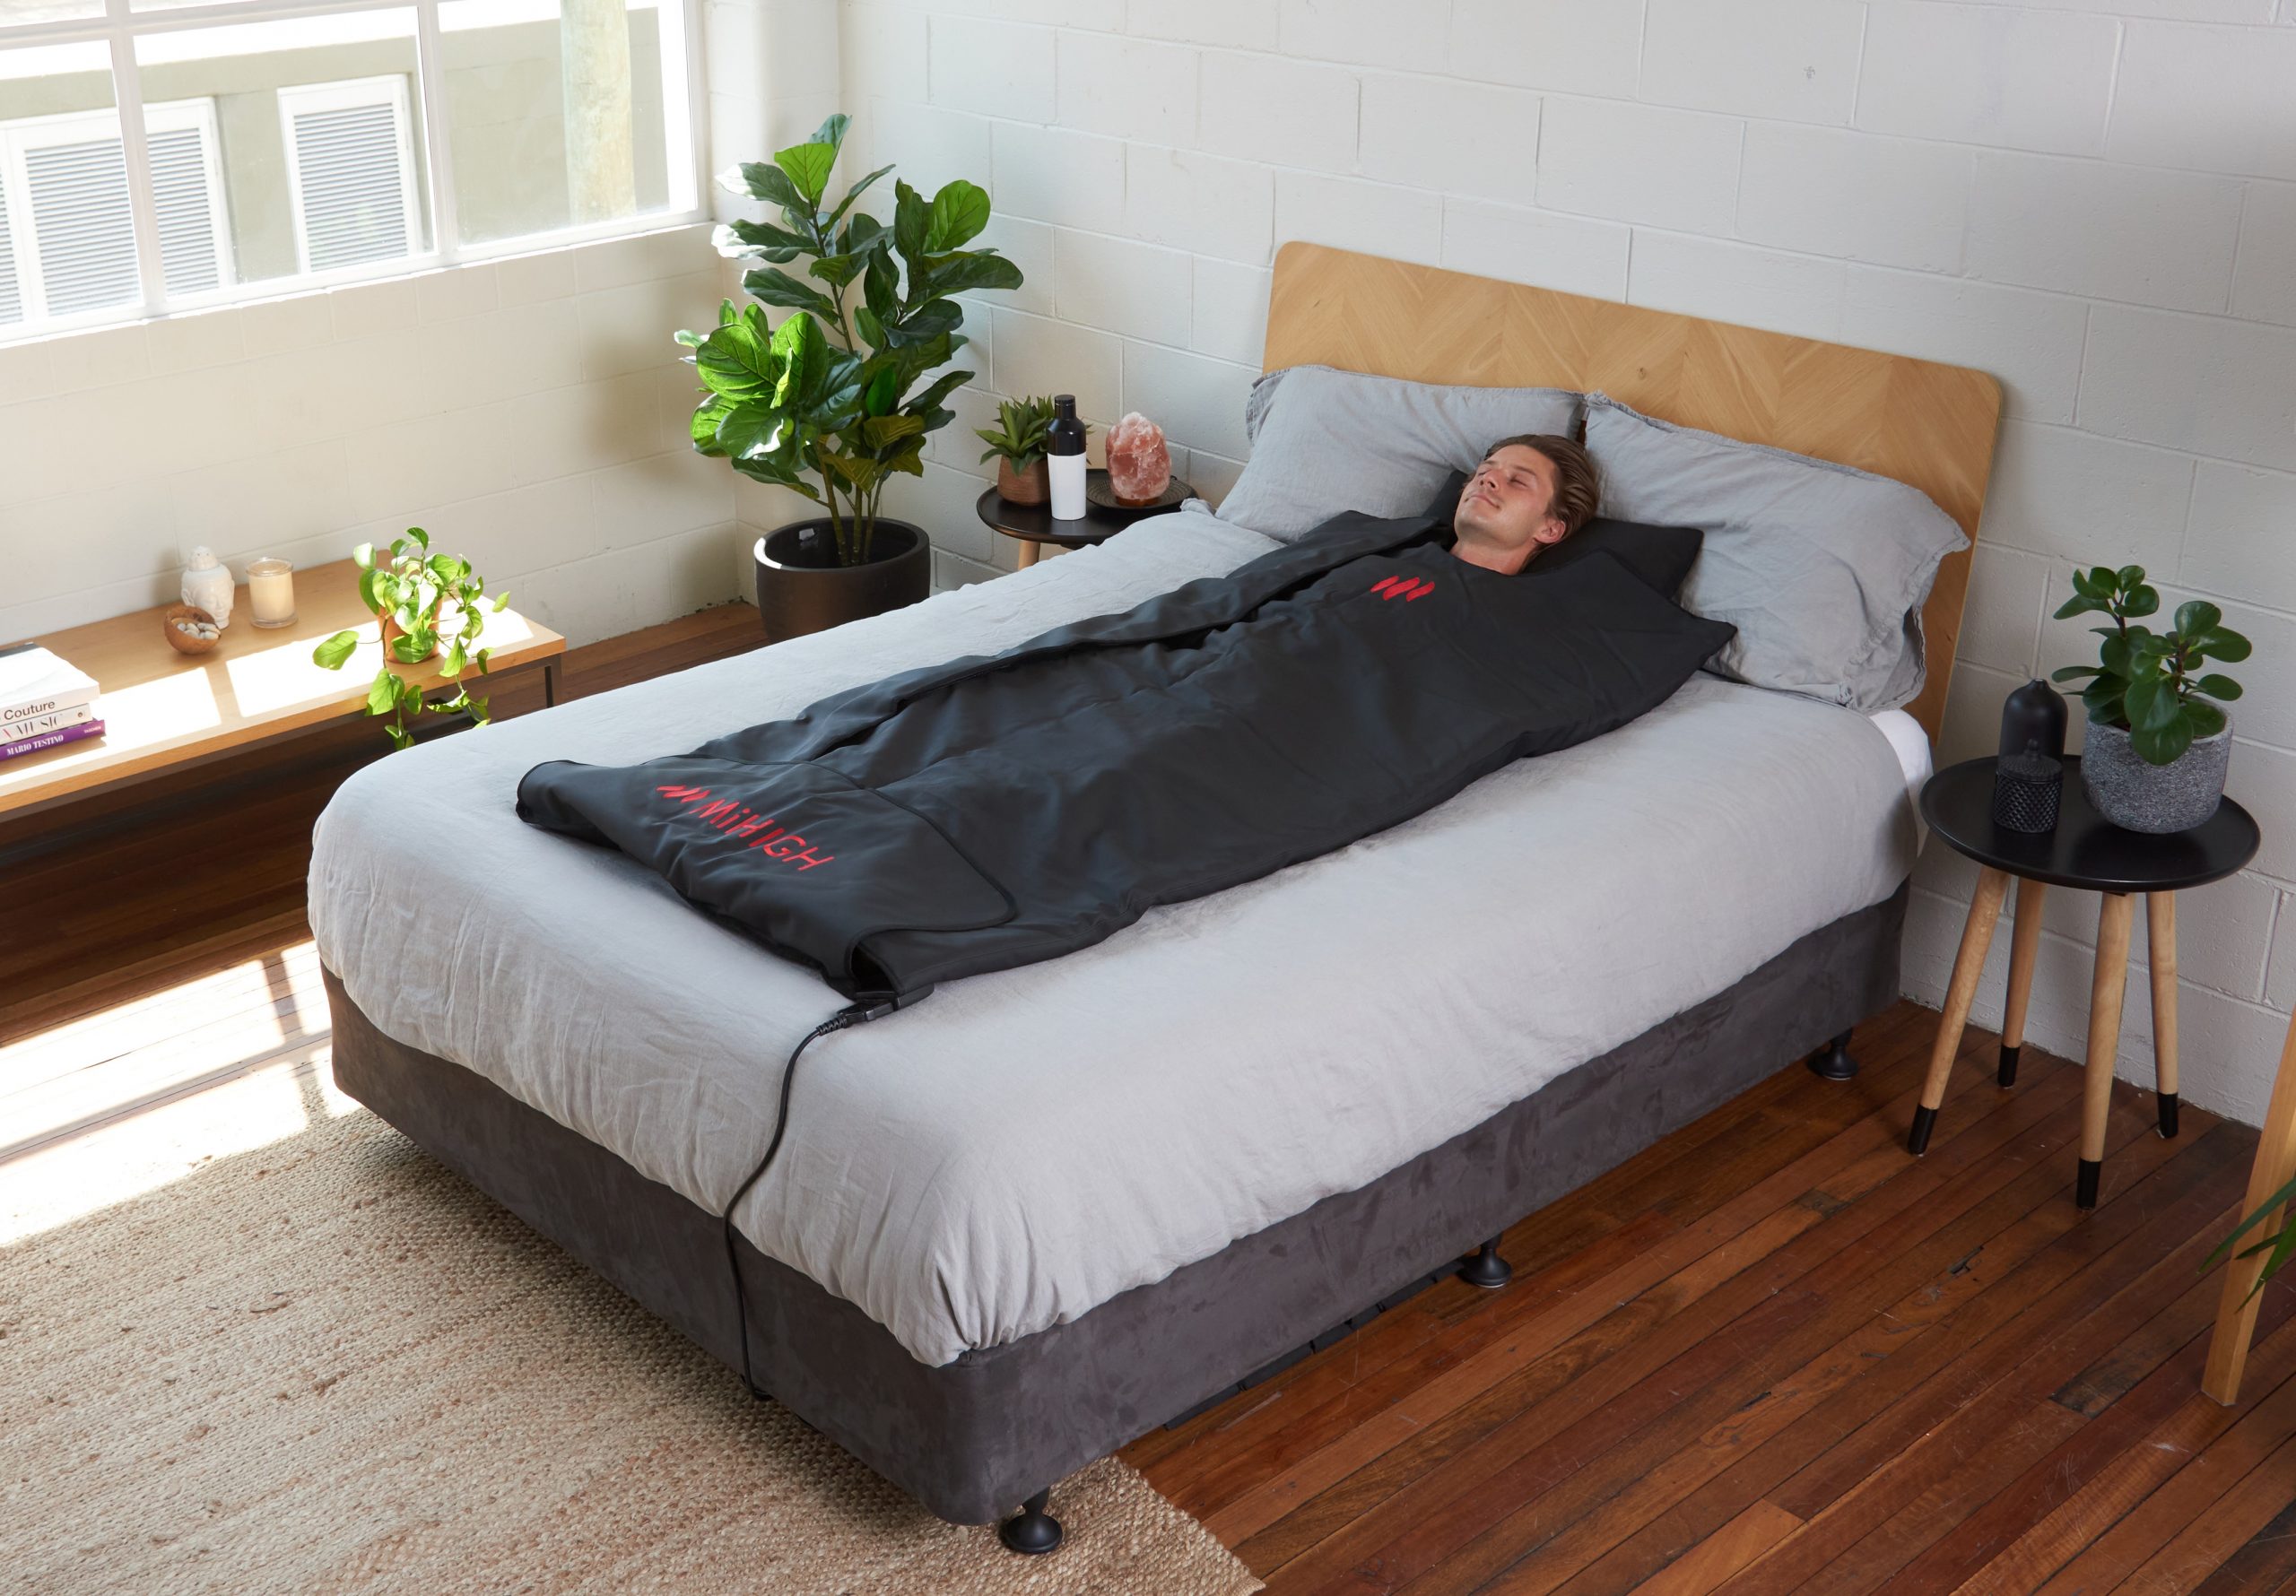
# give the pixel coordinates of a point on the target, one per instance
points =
(2024, 943)
(2161, 931)
(2276, 1167)
(2115, 915)
(1969, 967)
(1025, 555)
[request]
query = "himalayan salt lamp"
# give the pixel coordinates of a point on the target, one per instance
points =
(1140, 464)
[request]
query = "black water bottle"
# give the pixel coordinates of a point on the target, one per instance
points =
(1064, 450)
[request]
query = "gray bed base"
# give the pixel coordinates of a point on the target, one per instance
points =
(974, 1438)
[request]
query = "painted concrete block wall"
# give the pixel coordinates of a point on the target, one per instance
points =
(532, 411)
(529, 413)
(2094, 201)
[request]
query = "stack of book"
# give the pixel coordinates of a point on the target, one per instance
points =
(43, 702)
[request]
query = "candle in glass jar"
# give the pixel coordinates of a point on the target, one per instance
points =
(271, 592)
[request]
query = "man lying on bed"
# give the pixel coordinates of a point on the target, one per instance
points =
(996, 810)
(1529, 493)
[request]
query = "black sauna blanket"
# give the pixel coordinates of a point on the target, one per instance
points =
(992, 811)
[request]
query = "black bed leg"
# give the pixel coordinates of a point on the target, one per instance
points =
(1832, 1062)
(1032, 1531)
(1486, 1268)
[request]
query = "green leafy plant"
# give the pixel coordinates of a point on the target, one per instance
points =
(2277, 1247)
(1019, 435)
(2151, 684)
(425, 604)
(821, 403)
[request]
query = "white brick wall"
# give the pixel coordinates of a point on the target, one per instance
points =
(528, 413)
(2093, 199)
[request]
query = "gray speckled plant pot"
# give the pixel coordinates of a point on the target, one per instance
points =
(2157, 798)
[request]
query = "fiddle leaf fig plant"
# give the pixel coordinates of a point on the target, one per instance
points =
(425, 604)
(2152, 684)
(822, 403)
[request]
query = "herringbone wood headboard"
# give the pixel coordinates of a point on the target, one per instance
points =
(1923, 423)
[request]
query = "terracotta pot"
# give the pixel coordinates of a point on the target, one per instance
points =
(1032, 486)
(801, 588)
(391, 629)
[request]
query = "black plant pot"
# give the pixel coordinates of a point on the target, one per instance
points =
(801, 588)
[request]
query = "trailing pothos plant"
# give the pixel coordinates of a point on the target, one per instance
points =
(821, 403)
(426, 605)
(2151, 684)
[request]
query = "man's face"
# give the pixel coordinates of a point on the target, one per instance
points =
(1507, 514)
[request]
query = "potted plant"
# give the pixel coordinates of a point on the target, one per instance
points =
(822, 403)
(424, 603)
(1016, 443)
(2158, 747)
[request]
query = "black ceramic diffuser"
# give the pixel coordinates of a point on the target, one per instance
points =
(2029, 777)
(2033, 716)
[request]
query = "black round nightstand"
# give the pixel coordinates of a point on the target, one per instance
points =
(1034, 525)
(2089, 852)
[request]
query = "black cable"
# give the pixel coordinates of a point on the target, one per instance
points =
(844, 1018)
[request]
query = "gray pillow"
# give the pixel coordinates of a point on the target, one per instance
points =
(1823, 569)
(1324, 442)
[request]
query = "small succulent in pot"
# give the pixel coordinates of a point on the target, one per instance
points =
(1017, 443)
(2159, 739)
(425, 604)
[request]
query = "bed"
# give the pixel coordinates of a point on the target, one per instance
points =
(1055, 1206)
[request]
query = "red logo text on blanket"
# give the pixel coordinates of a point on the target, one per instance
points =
(1406, 588)
(738, 820)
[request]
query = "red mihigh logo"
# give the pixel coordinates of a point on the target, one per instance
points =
(1406, 588)
(735, 820)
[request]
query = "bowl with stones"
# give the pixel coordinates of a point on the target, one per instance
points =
(189, 629)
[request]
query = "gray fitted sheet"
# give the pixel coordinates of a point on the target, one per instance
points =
(1026, 1145)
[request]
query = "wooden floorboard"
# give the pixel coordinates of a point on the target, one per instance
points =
(1770, 1353)
(1776, 1353)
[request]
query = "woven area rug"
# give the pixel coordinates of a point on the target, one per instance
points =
(327, 1364)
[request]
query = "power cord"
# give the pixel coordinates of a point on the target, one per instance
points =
(845, 1019)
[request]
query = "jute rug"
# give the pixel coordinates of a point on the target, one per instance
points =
(329, 1365)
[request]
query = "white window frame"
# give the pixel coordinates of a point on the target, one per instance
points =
(73, 127)
(683, 94)
(350, 94)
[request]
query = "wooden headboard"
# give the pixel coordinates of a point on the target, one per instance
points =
(1923, 423)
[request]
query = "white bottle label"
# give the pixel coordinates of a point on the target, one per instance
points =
(1067, 486)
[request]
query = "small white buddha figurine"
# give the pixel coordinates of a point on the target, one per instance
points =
(207, 584)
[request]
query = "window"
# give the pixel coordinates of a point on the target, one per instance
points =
(65, 215)
(349, 172)
(163, 153)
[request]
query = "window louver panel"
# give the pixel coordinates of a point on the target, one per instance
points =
(354, 190)
(86, 237)
(186, 227)
(11, 298)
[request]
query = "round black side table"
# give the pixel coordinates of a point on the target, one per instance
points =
(1034, 525)
(2088, 852)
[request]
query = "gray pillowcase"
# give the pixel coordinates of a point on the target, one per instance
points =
(1823, 569)
(1326, 441)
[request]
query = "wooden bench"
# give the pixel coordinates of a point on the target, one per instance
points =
(163, 711)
